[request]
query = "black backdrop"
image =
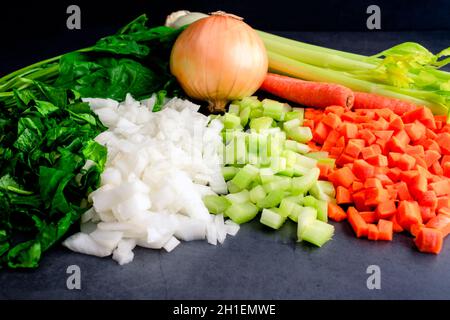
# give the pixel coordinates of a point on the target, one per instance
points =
(34, 30)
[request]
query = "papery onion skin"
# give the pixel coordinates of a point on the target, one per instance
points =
(218, 59)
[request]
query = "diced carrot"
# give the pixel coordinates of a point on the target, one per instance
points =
(441, 188)
(335, 212)
(340, 142)
(372, 232)
(354, 147)
(445, 159)
(403, 137)
(403, 192)
(324, 170)
(430, 144)
(336, 151)
(417, 185)
(408, 213)
(396, 124)
(369, 216)
(415, 130)
(385, 230)
(344, 159)
(343, 196)
(342, 177)
(362, 169)
(427, 213)
(415, 228)
(429, 240)
(367, 136)
(415, 150)
(331, 140)
(313, 146)
(440, 222)
(370, 151)
(321, 132)
(446, 169)
(396, 227)
(395, 145)
(443, 140)
(442, 202)
(386, 209)
(384, 134)
(428, 199)
(444, 211)
(359, 198)
(406, 162)
(372, 183)
(332, 120)
(422, 114)
(394, 174)
(430, 134)
(357, 222)
(309, 123)
(338, 110)
(437, 169)
(374, 196)
(349, 130)
(357, 185)
(392, 191)
(385, 180)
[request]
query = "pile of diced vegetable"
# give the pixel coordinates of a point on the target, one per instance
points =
(270, 169)
(393, 171)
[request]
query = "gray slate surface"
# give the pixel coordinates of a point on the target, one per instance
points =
(258, 263)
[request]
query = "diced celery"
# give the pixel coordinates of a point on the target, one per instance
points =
(244, 114)
(301, 185)
(287, 108)
(261, 124)
(299, 170)
(272, 199)
(327, 187)
(241, 149)
(256, 113)
(257, 193)
(229, 172)
(232, 188)
(278, 164)
(273, 109)
(309, 201)
(291, 115)
(245, 176)
(318, 155)
(272, 219)
(279, 184)
(296, 210)
(322, 210)
(230, 154)
(288, 172)
(253, 158)
(300, 134)
(298, 199)
(328, 161)
(266, 175)
(234, 109)
(251, 102)
(216, 204)
(291, 124)
(287, 206)
(291, 157)
(239, 197)
(231, 121)
(306, 162)
(301, 113)
(305, 217)
(296, 146)
(318, 233)
(242, 212)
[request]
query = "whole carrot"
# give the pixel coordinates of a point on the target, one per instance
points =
(308, 93)
(365, 100)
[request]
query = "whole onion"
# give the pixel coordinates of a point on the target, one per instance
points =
(219, 58)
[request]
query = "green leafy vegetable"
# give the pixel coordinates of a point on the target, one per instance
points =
(45, 142)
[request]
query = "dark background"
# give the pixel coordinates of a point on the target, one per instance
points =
(34, 30)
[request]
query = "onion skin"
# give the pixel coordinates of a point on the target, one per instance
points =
(218, 59)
